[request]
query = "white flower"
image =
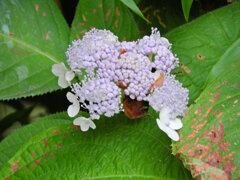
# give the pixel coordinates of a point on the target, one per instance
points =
(84, 123)
(64, 76)
(75, 107)
(169, 126)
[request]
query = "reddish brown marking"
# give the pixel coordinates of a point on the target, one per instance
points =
(192, 126)
(94, 11)
(74, 127)
(220, 114)
(185, 68)
(158, 82)
(84, 18)
(7, 178)
(57, 131)
(66, 134)
(32, 153)
(45, 142)
(117, 11)
(121, 85)
(59, 145)
(100, 5)
(195, 143)
(37, 162)
(199, 110)
(176, 147)
(215, 135)
(92, 27)
(48, 156)
(77, 36)
(122, 52)
(237, 85)
(180, 138)
(203, 147)
(124, 39)
(15, 166)
(220, 121)
(213, 99)
(215, 112)
(223, 146)
(192, 135)
(236, 101)
(44, 14)
(185, 147)
(80, 24)
(200, 126)
(224, 82)
(36, 7)
(116, 23)
(228, 167)
(228, 97)
(223, 105)
(23, 167)
(107, 14)
(47, 35)
(10, 34)
(238, 114)
(206, 114)
(194, 119)
(218, 86)
(133, 108)
(229, 155)
(203, 155)
(32, 167)
(199, 56)
(83, 32)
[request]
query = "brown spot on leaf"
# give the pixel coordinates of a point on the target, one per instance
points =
(223, 146)
(228, 97)
(206, 114)
(117, 11)
(124, 39)
(198, 111)
(15, 166)
(107, 14)
(201, 57)
(218, 86)
(185, 68)
(57, 131)
(74, 127)
(83, 32)
(220, 114)
(80, 24)
(44, 14)
(195, 143)
(133, 108)
(237, 85)
(66, 133)
(224, 82)
(100, 5)
(238, 114)
(36, 7)
(236, 101)
(200, 126)
(94, 11)
(186, 146)
(84, 18)
(213, 99)
(215, 112)
(77, 36)
(37, 162)
(116, 23)
(192, 126)
(45, 142)
(10, 34)
(47, 35)
(192, 135)
(32, 167)
(59, 145)
(32, 153)
(48, 156)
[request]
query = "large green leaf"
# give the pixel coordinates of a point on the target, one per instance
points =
(119, 148)
(203, 44)
(111, 15)
(186, 6)
(33, 36)
(210, 137)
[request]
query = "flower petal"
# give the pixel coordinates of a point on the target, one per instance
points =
(69, 75)
(59, 69)
(176, 124)
(73, 110)
(62, 82)
(91, 124)
(77, 121)
(170, 132)
(72, 97)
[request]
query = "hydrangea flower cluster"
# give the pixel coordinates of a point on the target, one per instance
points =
(137, 70)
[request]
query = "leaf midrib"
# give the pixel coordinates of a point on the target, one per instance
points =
(32, 48)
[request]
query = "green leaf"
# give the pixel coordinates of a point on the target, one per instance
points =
(186, 6)
(132, 5)
(110, 15)
(119, 148)
(201, 44)
(210, 136)
(33, 36)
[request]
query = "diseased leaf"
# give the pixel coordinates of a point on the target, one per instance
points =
(111, 15)
(210, 135)
(186, 6)
(131, 4)
(33, 36)
(202, 44)
(52, 148)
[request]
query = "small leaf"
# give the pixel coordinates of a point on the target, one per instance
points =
(110, 15)
(119, 148)
(33, 36)
(132, 5)
(186, 6)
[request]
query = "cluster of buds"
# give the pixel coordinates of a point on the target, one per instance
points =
(123, 76)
